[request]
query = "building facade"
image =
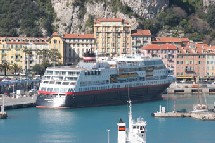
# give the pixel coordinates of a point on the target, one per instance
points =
(167, 52)
(13, 50)
(76, 45)
(113, 36)
(140, 38)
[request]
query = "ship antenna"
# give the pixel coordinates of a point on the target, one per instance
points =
(129, 115)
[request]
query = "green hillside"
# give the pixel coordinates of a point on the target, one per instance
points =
(25, 17)
(185, 18)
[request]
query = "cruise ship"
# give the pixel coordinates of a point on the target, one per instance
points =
(100, 81)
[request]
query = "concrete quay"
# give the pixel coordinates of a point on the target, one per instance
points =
(20, 102)
(209, 116)
(184, 88)
(171, 114)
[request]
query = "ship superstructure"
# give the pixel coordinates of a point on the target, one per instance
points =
(104, 81)
(136, 133)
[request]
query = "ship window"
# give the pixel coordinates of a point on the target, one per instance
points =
(49, 72)
(141, 127)
(49, 89)
(55, 89)
(58, 82)
(134, 127)
(65, 83)
(51, 82)
(63, 73)
(43, 88)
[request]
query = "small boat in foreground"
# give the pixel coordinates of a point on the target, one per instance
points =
(136, 133)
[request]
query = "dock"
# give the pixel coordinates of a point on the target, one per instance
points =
(20, 102)
(171, 114)
(209, 116)
(205, 116)
(184, 88)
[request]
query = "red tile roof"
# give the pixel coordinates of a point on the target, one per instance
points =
(185, 39)
(159, 47)
(80, 36)
(110, 20)
(55, 34)
(170, 40)
(140, 32)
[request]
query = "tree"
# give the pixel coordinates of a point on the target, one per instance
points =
(16, 68)
(45, 55)
(210, 16)
(6, 67)
(49, 56)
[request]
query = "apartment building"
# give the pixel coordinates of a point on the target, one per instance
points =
(113, 36)
(56, 42)
(76, 45)
(140, 38)
(191, 62)
(23, 51)
(13, 50)
(167, 52)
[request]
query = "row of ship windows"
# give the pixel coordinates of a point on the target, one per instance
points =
(58, 78)
(57, 89)
(62, 73)
(92, 73)
(85, 83)
(118, 86)
(59, 83)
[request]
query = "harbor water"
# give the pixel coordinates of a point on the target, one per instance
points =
(90, 125)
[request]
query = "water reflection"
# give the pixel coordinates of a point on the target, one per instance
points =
(56, 126)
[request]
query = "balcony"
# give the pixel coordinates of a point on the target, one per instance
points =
(189, 71)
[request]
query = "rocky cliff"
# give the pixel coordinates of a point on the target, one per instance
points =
(76, 16)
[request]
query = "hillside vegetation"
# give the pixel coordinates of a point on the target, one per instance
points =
(26, 17)
(183, 18)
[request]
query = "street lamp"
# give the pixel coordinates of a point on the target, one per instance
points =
(108, 131)
(13, 91)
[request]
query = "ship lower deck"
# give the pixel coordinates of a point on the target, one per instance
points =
(114, 96)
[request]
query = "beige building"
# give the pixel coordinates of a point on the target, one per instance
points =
(140, 38)
(23, 51)
(12, 50)
(76, 45)
(113, 36)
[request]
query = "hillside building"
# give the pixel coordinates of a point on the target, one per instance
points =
(113, 36)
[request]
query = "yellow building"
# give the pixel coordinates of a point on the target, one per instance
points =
(12, 50)
(23, 51)
(113, 36)
(56, 42)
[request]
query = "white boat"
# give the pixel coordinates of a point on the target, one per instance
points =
(104, 81)
(136, 133)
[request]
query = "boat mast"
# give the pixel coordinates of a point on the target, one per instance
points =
(130, 121)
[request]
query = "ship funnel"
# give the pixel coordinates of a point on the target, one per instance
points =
(121, 132)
